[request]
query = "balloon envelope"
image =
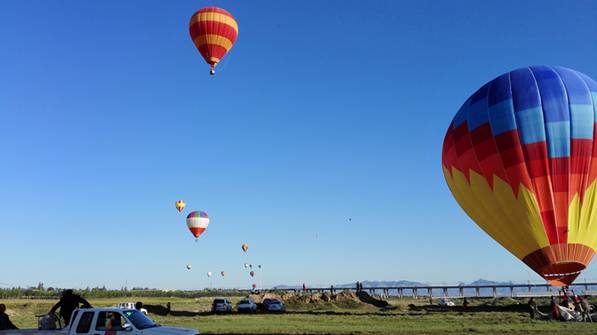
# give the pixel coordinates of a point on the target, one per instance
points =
(189, 266)
(245, 247)
(180, 205)
(209, 274)
(197, 222)
(520, 157)
(213, 31)
(222, 273)
(252, 273)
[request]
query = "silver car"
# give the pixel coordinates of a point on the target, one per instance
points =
(246, 305)
(221, 305)
(276, 305)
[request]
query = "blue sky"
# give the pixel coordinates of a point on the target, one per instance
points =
(322, 111)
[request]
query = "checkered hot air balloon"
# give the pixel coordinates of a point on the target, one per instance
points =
(520, 157)
(197, 222)
(214, 31)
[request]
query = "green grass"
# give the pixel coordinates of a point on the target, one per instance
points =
(328, 319)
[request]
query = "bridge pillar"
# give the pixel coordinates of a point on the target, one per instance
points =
(415, 293)
(445, 291)
(399, 293)
(430, 292)
(530, 288)
(494, 292)
(511, 291)
(477, 292)
(461, 292)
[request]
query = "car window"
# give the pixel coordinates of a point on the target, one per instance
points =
(218, 301)
(85, 323)
(109, 321)
(139, 319)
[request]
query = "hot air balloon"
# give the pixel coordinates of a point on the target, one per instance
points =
(250, 266)
(180, 205)
(209, 274)
(189, 266)
(252, 273)
(197, 222)
(214, 31)
(520, 157)
(246, 265)
(222, 273)
(245, 247)
(259, 266)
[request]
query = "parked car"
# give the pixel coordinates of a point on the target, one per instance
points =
(221, 305)
(276, 305)
(130, 305)
(246, 305)
(446, 302)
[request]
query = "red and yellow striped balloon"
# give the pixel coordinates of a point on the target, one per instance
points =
(214, 31)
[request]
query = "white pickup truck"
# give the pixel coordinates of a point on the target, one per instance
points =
(108, 321)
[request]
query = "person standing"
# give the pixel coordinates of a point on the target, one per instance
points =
(67, 304)
(555, 311)
(587, 308)
(532, 307)
(5, 323)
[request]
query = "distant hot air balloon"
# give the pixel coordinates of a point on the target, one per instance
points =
(252, 273)
(180, 205)
(209, 274)
(214, 31)
(251, 266)
(520, 157)
(222, 273)
(246, 265)
(259, 266)
(189, 266)
(254, 285)
(197, 222)
(245, 247)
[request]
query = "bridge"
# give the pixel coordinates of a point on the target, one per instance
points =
(458, 291)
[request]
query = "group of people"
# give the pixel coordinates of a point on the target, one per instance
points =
(569, 304)
(572, 301)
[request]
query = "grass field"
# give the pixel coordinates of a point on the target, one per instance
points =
(326, 319)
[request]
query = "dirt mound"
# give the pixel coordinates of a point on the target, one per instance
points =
(258, 298)
(346, 296)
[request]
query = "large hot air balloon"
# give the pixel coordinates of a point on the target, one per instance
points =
(245, 247)
(252, 273)
(180, 205)
(520, 157)
(214, 31)
(197, 222)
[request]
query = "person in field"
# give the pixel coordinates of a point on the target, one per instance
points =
(67, 304)
(5, 323)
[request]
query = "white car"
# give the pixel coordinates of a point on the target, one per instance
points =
(446, 302)
(246, 305)
(221, 305)
(275, 305)
(130, 305)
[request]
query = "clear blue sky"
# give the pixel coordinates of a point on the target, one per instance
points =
(322, 111)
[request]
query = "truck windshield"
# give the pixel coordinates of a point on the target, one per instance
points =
(139, 320)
